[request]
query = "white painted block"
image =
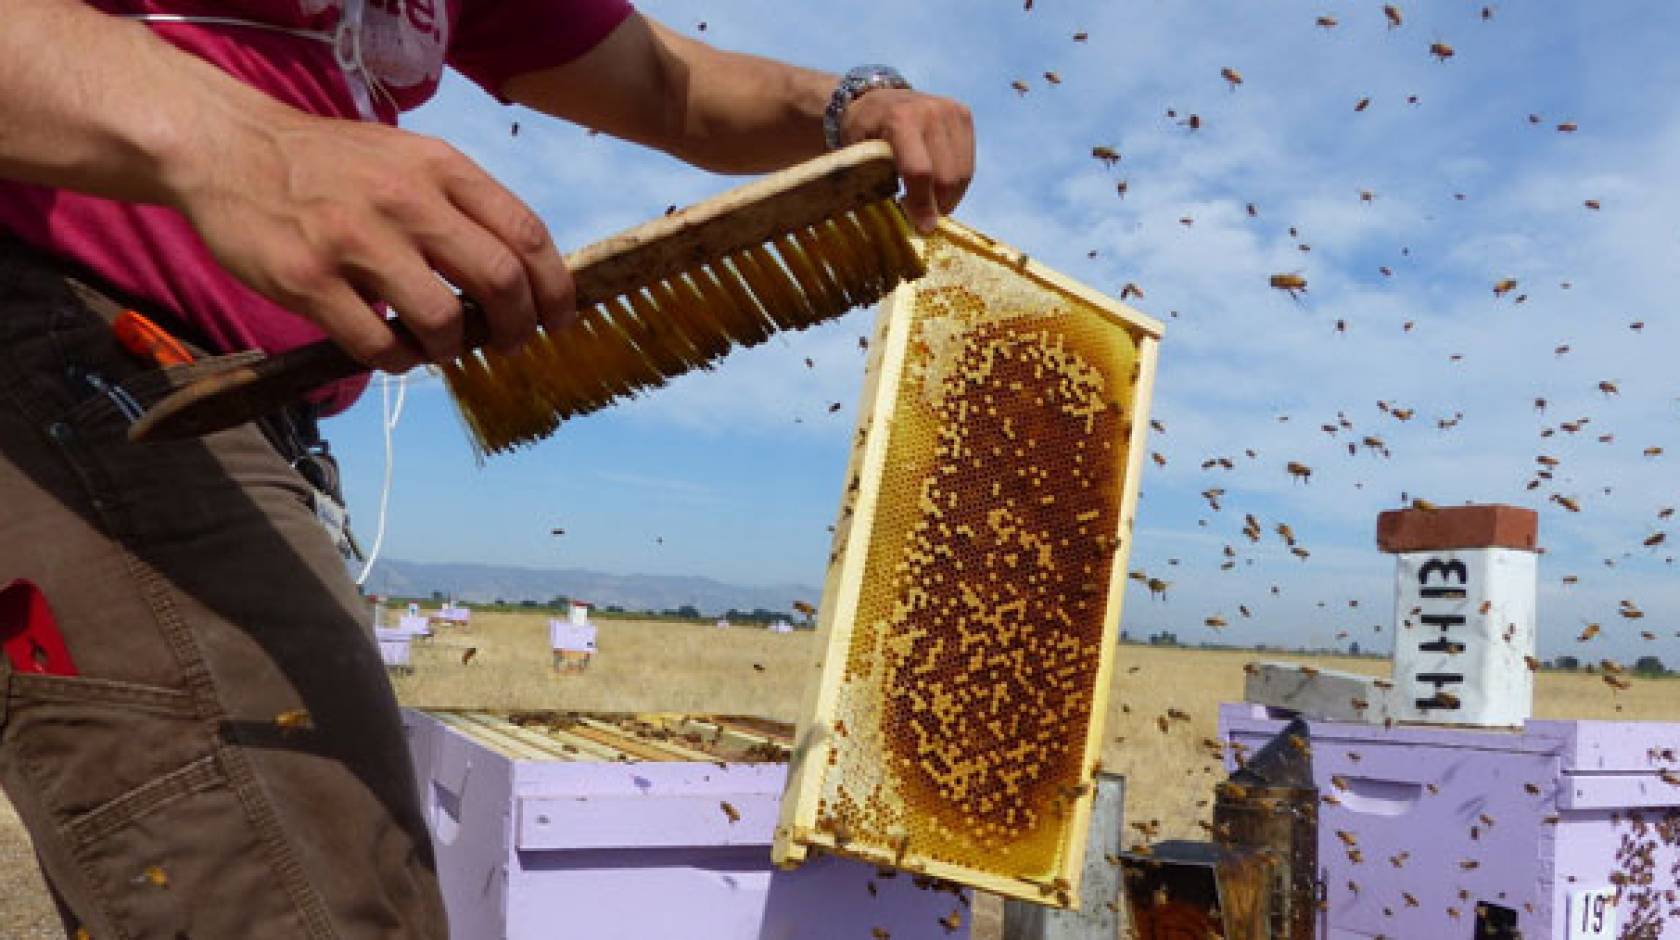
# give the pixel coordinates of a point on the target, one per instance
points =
(1464, 623)
(1320, 693)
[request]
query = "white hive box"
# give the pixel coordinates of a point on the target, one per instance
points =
(566, 827)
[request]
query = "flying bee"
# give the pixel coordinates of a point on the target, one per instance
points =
(1592, 204)
(1130, 290)
(1609, 388)
(1591, 631)
(1232, 76)
(1052, 78)
(1081, 37)
(1216, 622)
(1393, 13)
(1325, 22)
(294, 720)
(1108, 155)
(1020, 87)
(1568, 127)
(730, 811)
(1504, 286)
(1441, 50)
(1292, 284)
(1361, 104)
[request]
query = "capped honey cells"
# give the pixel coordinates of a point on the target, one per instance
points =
(971, 611)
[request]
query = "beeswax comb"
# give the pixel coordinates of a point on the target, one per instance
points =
(784, 252)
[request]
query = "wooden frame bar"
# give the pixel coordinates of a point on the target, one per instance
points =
(803, 814)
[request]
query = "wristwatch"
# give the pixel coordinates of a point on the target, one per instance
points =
(856, 83)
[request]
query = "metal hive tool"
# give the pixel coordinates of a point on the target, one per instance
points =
(973, 596)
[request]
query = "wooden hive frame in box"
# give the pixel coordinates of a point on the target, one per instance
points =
(972, 601)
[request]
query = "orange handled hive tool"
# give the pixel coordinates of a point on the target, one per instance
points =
(147, 340)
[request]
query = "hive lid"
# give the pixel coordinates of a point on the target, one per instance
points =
(970, 613)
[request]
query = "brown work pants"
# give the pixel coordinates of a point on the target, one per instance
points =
(201, 602)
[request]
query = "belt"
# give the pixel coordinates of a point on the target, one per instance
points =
(293, 431)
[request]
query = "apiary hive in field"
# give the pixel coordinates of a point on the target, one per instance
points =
(551, 825)
(973, 598)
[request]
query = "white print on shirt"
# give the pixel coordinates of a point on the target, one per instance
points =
(403, 41)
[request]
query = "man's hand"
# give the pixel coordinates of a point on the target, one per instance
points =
(324, 216)
(933, 143)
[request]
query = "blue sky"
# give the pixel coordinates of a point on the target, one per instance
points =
(736, 474)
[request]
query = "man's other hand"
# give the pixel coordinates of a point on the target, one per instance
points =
(932, 139)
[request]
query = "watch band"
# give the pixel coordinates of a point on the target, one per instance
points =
(855, 84)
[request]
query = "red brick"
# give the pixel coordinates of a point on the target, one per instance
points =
(1454, 527)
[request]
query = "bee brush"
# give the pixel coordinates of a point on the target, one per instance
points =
(796, 248)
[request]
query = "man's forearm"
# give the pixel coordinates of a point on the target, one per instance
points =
(97, 104)
(723, 111)
(745, 114)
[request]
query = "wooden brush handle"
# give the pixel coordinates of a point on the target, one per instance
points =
(706, 232)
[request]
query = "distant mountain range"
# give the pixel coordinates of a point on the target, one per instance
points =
(487, 583)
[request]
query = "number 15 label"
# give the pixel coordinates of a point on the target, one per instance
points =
(1592, 914)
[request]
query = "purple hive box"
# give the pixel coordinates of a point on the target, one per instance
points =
(1569, 828)
(539, 842)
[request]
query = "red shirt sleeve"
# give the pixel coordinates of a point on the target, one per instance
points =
(495, 40)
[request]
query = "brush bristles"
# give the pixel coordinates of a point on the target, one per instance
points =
(642, 340)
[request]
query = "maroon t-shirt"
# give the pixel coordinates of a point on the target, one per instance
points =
(308, 57)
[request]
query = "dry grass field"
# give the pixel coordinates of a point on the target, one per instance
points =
(654, 666)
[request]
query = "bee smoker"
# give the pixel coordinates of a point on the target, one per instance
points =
(1257, 879)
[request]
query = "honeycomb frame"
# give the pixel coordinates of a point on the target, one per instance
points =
(1043, 837)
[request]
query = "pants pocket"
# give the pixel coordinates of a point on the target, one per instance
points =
(81, 742)
(133, 816)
